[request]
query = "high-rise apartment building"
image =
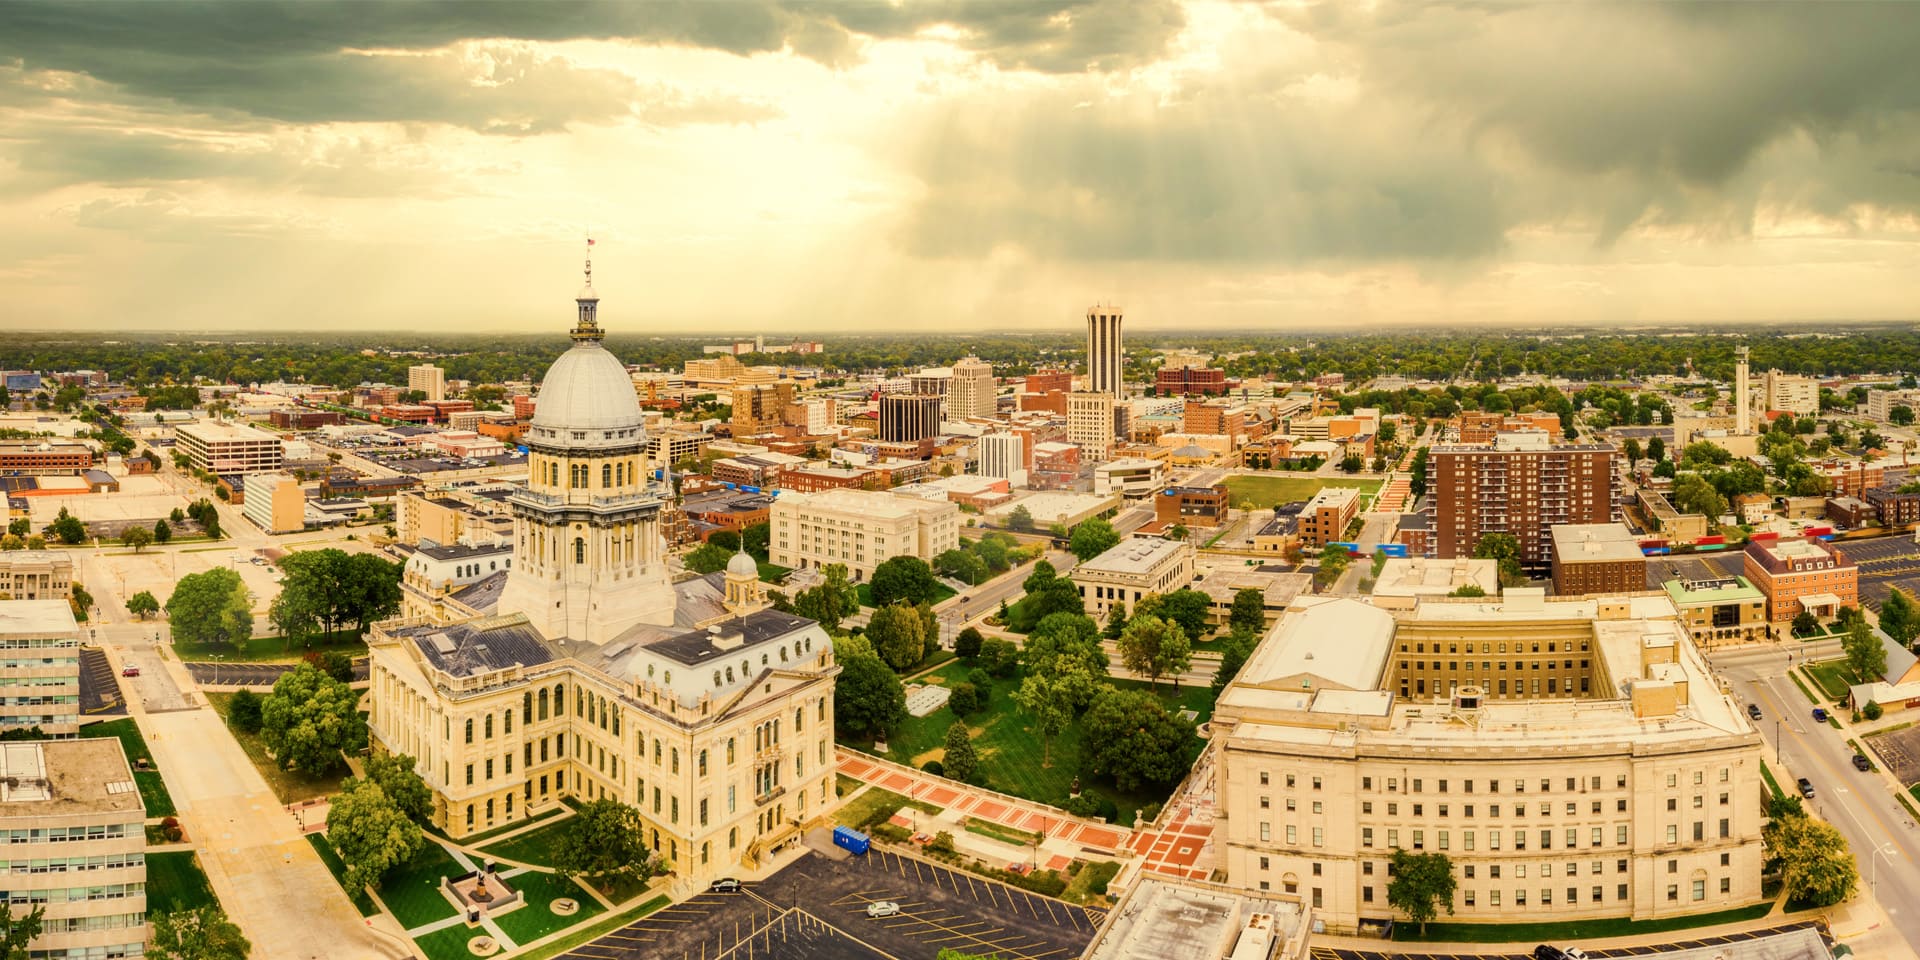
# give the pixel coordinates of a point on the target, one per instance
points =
(972, 393)
(908, 417)
(428, 379)
(931, 382)
(1520, 485)
(1799, 396)
(760, 407)
(1003, 455)
(1090, 424)
(1106, 355)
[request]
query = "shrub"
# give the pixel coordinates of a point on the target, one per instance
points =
(942, 843)
(889, 832)
(1872, 710)
(170, 828)
(964, 699)
(934, 767)
(1084, 805)
(1150, 812)
(1103, 873)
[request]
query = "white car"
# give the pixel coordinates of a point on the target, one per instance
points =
(882, 908)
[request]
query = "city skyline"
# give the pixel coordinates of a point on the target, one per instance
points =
(983, 167)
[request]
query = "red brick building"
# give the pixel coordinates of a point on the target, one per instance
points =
(1518, 485)
(1186, 381)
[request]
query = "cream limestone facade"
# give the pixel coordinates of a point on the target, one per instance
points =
(859, 528)
(1633, 790)
(592, 676)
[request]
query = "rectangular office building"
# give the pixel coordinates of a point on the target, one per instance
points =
(39, 667)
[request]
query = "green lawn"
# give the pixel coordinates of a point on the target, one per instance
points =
(1571, 930)
(1010, 752)
(1773, 786)
(153, 788)
(176, 882)
(535, 920)
(475, 839)
(274, 649)
(530, 847)
(1263, 491)
(449, 943)
(941, 592)
(876, 805)
(413, 892)
(1199, 699)
(1004, 834)
(339, 870)
(289, 785)
(1833, 676)
(594, 931)
(772, 572)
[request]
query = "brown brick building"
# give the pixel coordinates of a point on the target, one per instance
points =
(1190, 380)
(1325, 518)
(1802, 575)
(1519, 485)
(1597, 558)
(1191, 506)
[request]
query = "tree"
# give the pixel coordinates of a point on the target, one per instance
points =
(1418, 470)
(1037, 579)
(211, 608)
(1656, 448)
(1901, 416)
(831, 601)
(198, 933)
(1233, 656)
(1178, 531)
(963, 699)
(12, 541)
(898, 635)
(1351, 463)
(708, 558)
(1805, 622)
(1898, 617)
(395, 774)
(1065, 641)
(1187, 607)
(999, 657)
(1020, 519)
(1504, 548)
(136, 537)
(966, 645)
(1631, 449)
(1091, 538)
(1468, 590)
(1333, 563)
(1051, 699)
(757, 539)
(603, 842)
(1865, 656)
(16, 933)
(243, 711)
(68, 529)
(162, 531)
(961, 565)
(1419, 884)
(1154, 647)
(370, 832)
(79, 599)
(1815, 865)
(867, 696)
(143, 604)
(309, 719)
(1248, 614)
(1132, 738)
(1116, 621)
(904, 578)
(1693, 494)
(961, 761)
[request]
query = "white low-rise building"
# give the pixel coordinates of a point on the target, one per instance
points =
(1133, 569)
(1131, 477)
(859, 528)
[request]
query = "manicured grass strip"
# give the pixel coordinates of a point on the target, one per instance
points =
(153, 788)
(473, 839)
(1004, 834)
(361, 901)
(1570, 930)
(1772, 785)
(1795, 674)
(290, 786)
(875, 806)
(536, 919)
(1266, 491)
(1911, 810)
(274, 649)
(1090, 882)
(176, 882)
(1833, 676)
(412, 892)
(843, 784)
(534, 847)
(595, 931)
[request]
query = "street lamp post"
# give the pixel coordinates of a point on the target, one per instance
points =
(216, 668)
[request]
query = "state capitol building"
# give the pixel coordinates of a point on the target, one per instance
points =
(594, 675)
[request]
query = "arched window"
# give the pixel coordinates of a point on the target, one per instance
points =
(606, 474)
(559, 700)
(543, 704)
(729, 751)
(716, 678)
(579, 550)
(703, 763)
(675, 766)
(729, 674)
(796, 721)
(489, 726)
(733, 838)
(783, 654)
(526, 707)
(469, 729)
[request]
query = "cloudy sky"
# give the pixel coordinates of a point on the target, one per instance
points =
(761, 166)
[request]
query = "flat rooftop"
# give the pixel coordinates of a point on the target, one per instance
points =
(1160, 919)
(44, 778)
(217, 432)
(1595, 542)
(36, 618)
(1331, 497)
(1138, 555)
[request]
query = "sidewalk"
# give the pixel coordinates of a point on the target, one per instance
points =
(1881, 947)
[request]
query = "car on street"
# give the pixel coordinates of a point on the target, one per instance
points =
(724, 885)
(1806, 788)
(1860, 762)
(1753, 710)
(1820, 714)
(1550, 952)
(129, 671)
(882, 908)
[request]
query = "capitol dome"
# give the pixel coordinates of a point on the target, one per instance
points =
(587, 401)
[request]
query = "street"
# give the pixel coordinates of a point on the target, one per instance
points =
(1882, 836)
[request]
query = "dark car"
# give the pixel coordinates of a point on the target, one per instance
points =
(1753, 710)
(724, 885)
(1820, 714)
(1547, 952)
(1860, 762)
(1806, 788)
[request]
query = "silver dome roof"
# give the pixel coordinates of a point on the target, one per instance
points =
(587, 391)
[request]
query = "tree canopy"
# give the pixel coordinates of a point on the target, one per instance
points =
(1091, 538)
(309, 719)
(1155, 647)
(370, 832)
(903, 578)
(1131, 737)
(603, 841)
(198, 933)
(868, 699)
(1420, 884)
(211, 608)
(898, 633)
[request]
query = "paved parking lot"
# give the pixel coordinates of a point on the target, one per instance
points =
(1885, 562)
(817, 908)
(1899, 752)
